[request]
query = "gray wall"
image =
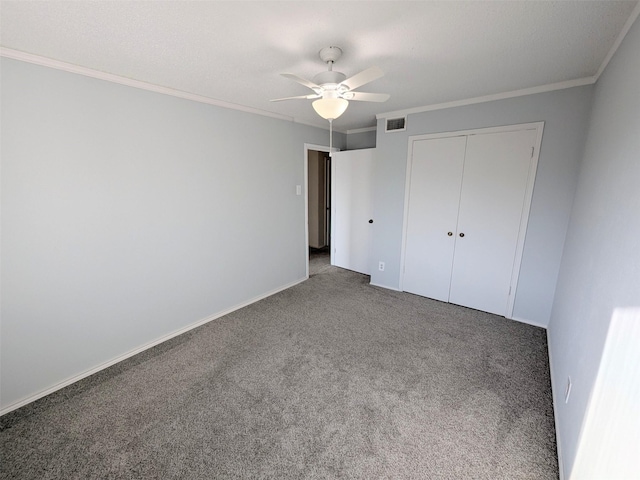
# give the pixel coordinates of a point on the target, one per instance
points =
(128, 215)
(565, 113)
(360, 140)
(600, 269)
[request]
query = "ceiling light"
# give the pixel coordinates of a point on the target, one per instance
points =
(330, 108)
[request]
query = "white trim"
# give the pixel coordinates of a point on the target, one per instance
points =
(332, 225)
(129, 82)
(405, 212)
(135, 351)
(109, 77)
(490, 98)
(524, 218)
(554, 397)
(529, 322)
(69, 67)
(610, 422)
(623, 33)
(385, 287)
(577, 82)
(362, 130)
(516, 127)
(533, 165)
(323, 125)
(317, 148)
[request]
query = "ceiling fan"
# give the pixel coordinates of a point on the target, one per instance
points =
(333, 89)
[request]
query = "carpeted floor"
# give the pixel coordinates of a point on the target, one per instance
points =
(319, 260)
(332, 378)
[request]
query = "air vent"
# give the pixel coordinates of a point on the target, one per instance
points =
(396, 124)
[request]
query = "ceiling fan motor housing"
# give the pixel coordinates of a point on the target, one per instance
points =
(330, 85)
(329, 77)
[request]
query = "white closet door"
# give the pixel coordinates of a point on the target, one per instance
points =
(434, 194)
(496, 171)
(352, 195)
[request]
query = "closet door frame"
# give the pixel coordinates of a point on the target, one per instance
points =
(526, 208)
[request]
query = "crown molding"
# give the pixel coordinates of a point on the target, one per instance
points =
(623, 33)
(361, 130)
(578, 82)
(109, 77)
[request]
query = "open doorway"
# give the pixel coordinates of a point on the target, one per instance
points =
(317, 178)
(319, 199)
(319, 209)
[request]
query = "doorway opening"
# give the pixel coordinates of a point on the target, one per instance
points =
(318, 210)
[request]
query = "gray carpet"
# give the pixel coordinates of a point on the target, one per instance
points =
(319, 261)
(332, 378)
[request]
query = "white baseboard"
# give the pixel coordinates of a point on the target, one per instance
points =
(142, 348)
(529, 322)
(385, 286)
(555, 397)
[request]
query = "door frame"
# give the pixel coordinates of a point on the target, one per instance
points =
(526, 207)
(318, 148)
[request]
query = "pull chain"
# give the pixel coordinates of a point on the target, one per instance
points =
(330, 137)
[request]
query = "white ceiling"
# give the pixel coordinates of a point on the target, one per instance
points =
(432, 52)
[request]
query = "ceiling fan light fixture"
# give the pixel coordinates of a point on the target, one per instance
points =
(330, 108)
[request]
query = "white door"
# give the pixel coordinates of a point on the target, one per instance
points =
(466, 216)
(434, 194)
(352, 205)
(496, 171)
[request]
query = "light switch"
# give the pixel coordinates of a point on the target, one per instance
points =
(298, 189)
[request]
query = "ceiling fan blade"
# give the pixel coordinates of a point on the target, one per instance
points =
(303, 81)
(308, 97)
(366, 76)
(368, 97)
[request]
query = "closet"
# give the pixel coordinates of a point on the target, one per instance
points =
(466, 210)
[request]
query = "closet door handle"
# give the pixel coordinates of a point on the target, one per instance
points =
(462, 234)
(450, 233)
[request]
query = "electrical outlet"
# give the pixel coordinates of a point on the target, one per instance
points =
(567, 391)
(381, 266)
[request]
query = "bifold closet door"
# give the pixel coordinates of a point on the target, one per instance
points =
(434, 195)
(496, 171)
